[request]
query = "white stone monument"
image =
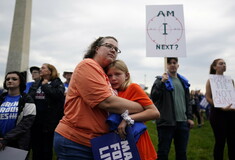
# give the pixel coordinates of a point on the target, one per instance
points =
(18, 56)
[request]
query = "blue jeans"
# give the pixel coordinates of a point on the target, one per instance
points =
(180, 134)
(69, 150)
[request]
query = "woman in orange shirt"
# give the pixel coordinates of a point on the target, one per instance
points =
(89, 99)
(119, 77)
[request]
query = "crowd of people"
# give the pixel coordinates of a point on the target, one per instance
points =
(49, 114)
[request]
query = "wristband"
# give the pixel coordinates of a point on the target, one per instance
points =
(127, 118)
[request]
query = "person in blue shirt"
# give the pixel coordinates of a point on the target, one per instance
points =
(67, 75)
(35, 72)
(17, 113)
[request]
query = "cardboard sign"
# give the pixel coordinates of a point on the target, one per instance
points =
(165, 31)
(223, 92)
(111, 147)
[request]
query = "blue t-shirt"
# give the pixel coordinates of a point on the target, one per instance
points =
(8, 113)
(28, 85)
(66, 86)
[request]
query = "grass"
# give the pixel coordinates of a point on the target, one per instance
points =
(200, 146)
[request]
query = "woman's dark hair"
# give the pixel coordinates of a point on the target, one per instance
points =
(213, 64)
(92, 48)
(21, 78)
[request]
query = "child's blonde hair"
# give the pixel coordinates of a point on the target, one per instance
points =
(120, 65)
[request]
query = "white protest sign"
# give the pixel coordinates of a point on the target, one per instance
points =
(165, 31)
(223, 92)
(10, 153)
(204, 103)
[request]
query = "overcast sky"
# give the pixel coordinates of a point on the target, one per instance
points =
(61, 31)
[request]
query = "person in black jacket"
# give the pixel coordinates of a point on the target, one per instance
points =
(17, 113)
(170, 94)
(48, 94)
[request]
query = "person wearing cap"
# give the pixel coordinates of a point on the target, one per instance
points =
(35, 72)
(170, 94)
(67, 75)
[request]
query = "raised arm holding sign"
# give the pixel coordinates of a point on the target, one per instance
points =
(170, 94)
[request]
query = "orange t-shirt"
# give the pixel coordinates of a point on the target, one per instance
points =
(145, 146)
(82, 120)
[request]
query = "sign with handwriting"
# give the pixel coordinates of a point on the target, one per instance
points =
(223, 92)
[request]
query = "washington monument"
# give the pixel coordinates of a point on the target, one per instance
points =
(18, 56)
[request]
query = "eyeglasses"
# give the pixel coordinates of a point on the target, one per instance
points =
(13, 78)
(110, 46)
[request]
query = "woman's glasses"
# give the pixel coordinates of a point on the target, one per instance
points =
(110, 46)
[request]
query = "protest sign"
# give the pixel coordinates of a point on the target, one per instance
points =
(165, 31)
(111, 147)
(10, 153)
(204, 103)
(223, 92)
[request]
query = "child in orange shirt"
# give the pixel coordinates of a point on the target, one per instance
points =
(119, 78)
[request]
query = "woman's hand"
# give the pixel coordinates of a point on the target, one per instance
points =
(45, 81)
(122, 129)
